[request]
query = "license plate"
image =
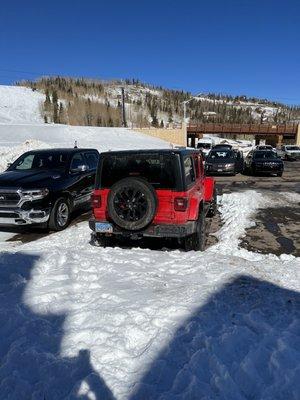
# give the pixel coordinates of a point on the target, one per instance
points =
(103, 227)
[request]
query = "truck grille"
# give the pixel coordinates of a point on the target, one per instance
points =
(9, 199)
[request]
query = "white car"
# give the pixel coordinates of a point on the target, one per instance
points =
(289, 152)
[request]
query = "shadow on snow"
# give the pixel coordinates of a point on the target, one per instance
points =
(242, 344)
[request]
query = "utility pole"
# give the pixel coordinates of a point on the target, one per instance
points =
(124, 123)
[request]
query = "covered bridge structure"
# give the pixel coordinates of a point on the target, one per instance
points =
(272, 134)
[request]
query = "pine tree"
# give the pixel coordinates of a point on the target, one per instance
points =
(154, 121)
(61, 113)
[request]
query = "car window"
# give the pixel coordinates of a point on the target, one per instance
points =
(189, 170)
(221, 154)
(25, 163)
(197, 165)
(92, 159)
(77, 160)
(265, 154)
(160, 170)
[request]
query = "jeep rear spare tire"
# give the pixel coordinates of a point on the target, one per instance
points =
(132, 203)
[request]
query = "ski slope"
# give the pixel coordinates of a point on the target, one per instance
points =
(20, 105)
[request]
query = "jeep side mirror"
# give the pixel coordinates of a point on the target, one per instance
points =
(80, 168)
(8, 164)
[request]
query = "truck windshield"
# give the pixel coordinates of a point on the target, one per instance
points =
(158, 169)
(43, 160)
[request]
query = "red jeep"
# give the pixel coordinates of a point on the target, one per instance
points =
(153, 193)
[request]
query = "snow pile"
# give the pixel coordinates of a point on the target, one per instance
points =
(236, 212)
(244, 145)
(78, 320)
(10, 154)
(20, 105)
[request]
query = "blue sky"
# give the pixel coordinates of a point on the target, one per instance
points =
(238, 47)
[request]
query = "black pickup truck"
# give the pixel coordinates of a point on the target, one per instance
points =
(43, 187)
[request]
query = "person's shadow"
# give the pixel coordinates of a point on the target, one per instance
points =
(31, 366)
(243, 343)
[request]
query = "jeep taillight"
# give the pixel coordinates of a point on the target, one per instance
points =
(180, 203)
(96, 201)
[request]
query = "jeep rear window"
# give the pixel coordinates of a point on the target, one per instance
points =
(157, 169)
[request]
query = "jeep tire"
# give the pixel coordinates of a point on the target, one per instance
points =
(212, 210)
(132, 203)
(197, 240)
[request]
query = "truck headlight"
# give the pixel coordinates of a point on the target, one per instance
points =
(35, 194)
(229, 165)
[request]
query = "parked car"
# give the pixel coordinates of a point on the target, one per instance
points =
(289, 152)
(43, 187)
(152, 193)
(263, 161)
(222, 161)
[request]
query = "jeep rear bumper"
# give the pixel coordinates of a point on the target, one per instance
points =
(153, 230)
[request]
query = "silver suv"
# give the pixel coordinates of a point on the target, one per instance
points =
(289, 152)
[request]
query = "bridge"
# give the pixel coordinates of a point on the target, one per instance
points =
(274, 134)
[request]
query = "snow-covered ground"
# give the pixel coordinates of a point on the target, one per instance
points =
(20, 105)
(78, 321)
(65, 135)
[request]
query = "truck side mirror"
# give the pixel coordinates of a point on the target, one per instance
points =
(80, 168)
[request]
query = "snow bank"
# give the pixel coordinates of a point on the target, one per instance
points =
(64, 135)
(20, 105)
(236, 212)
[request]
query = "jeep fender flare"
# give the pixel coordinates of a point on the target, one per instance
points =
(209, 185)
(195, 208)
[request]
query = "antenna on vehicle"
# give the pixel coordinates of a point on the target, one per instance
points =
(75, 145)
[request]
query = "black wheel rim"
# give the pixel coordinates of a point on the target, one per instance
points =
(130, 204)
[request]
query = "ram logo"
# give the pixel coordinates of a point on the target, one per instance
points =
(2, 197)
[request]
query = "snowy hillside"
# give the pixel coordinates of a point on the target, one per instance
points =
(20, 105)
(98, 103)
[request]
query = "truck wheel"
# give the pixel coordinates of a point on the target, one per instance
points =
(60, 215)
(132, 203)
(213, 205)
(279, 174)
(196, 241)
